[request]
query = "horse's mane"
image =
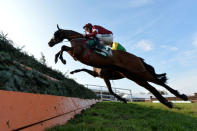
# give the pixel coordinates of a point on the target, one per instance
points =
(72, 34)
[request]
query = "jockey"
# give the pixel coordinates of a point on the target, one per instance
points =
(104, 36)
(117, 46)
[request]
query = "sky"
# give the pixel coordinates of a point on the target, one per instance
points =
(163, 32)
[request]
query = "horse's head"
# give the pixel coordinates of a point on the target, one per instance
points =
(57, 38)
(61, 34)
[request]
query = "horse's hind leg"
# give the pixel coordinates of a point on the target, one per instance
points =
(150, 88)
(155, 93)
(153, 78)
(160, 79)
(160, 82)
(93, 73)
(175, 92)
(107, 82)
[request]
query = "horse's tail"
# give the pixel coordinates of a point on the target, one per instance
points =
(161, 77)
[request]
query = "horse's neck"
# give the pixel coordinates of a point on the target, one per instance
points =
(78, 42)
(70, 35)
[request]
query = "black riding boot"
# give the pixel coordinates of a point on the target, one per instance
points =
(98, 45)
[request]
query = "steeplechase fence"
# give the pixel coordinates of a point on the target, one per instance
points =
(21, 111)
(36, 112)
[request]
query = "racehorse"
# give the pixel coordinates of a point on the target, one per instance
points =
(125, 64)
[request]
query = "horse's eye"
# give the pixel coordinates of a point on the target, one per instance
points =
(55, 35)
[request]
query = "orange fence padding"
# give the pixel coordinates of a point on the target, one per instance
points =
(27, 111)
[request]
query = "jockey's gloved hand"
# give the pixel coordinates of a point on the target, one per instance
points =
(86, 36)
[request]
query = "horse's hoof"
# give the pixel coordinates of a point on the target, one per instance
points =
(72, 72)
(170, 104)
(125, 101)
(56, 59)
(64, 62)
(184, 97)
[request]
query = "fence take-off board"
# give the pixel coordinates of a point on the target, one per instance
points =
(27, 111)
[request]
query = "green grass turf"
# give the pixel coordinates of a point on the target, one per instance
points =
(114, 116)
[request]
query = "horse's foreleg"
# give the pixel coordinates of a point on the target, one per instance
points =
(107, 82)
(64, 48)
(61, 57)
(93, 73)
(59, 54)
(56, 57)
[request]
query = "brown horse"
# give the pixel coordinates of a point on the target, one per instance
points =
(112, 75)
(128, 65)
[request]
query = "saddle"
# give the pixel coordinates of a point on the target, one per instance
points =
(98, 48)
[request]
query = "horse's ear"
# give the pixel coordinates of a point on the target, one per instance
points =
(58, 27)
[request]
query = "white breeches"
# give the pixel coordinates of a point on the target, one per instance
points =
(105, 38)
